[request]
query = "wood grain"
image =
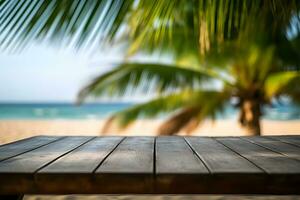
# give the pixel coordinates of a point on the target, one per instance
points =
(177, 165)
(277, 146)
(271, 162)
(76, 168)
(220, 159)
(85, 159)
(151, 165)
(21, 146)
(133, 155)
(129, 168)
(174, 156)
(294, 140)
(31, 161)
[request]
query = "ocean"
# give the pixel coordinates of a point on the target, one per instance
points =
(47, 111)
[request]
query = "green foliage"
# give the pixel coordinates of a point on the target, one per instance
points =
(60, 20)
(201, 104)
(249, 47)
(282, 83)
(145, 77)
(175, 26)
(254, 72)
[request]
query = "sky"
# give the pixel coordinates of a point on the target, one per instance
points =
(44, 73)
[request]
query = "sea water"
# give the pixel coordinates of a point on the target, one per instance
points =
(103, 110)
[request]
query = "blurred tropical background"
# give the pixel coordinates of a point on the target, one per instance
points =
(137, 67)
(149, 67)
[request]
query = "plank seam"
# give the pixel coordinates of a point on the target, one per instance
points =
(270, 149)
(60, 138)
(242, 156)
(105, 157)
(62, 155)
(154, 157)
(284, 141)
(197, 155)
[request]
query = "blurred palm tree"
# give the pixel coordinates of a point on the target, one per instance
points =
(222, 50)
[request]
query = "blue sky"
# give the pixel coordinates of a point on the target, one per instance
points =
(44, 73)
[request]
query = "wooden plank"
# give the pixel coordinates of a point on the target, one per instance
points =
(220, 159)
(128, 169)
(294, 140)
(74, 171)
(33, 160)
(173, 155)
(276, 146)
(147, 165)
(271, 162)
(21, 146)
(133, 155)
(22, 140)
(178, 168)
(84, 159)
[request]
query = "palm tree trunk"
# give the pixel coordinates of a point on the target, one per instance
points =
(250, 117)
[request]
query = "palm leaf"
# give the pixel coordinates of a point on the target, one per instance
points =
(180, 120)
(162, 104)
(195, 105)
(190, 116)
(144, 77)
(82, 20)
(147, 24)
(282, 83)
(158, 24)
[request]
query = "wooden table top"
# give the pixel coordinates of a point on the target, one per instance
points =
(151, 165)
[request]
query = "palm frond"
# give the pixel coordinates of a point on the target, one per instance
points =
(190, 116)
(81, 20)
(195, 104)
(144, 77)
(179, 120)
(162, 104)
(245, 66)
(145, 24)
(158, 24)
(282, 83)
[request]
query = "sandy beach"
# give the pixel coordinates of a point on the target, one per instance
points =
(11, 130)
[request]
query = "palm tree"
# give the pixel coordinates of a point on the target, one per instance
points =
(253, 75)
(222, 49)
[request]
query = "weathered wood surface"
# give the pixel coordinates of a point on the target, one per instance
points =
(151, 165)
(21, 146)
